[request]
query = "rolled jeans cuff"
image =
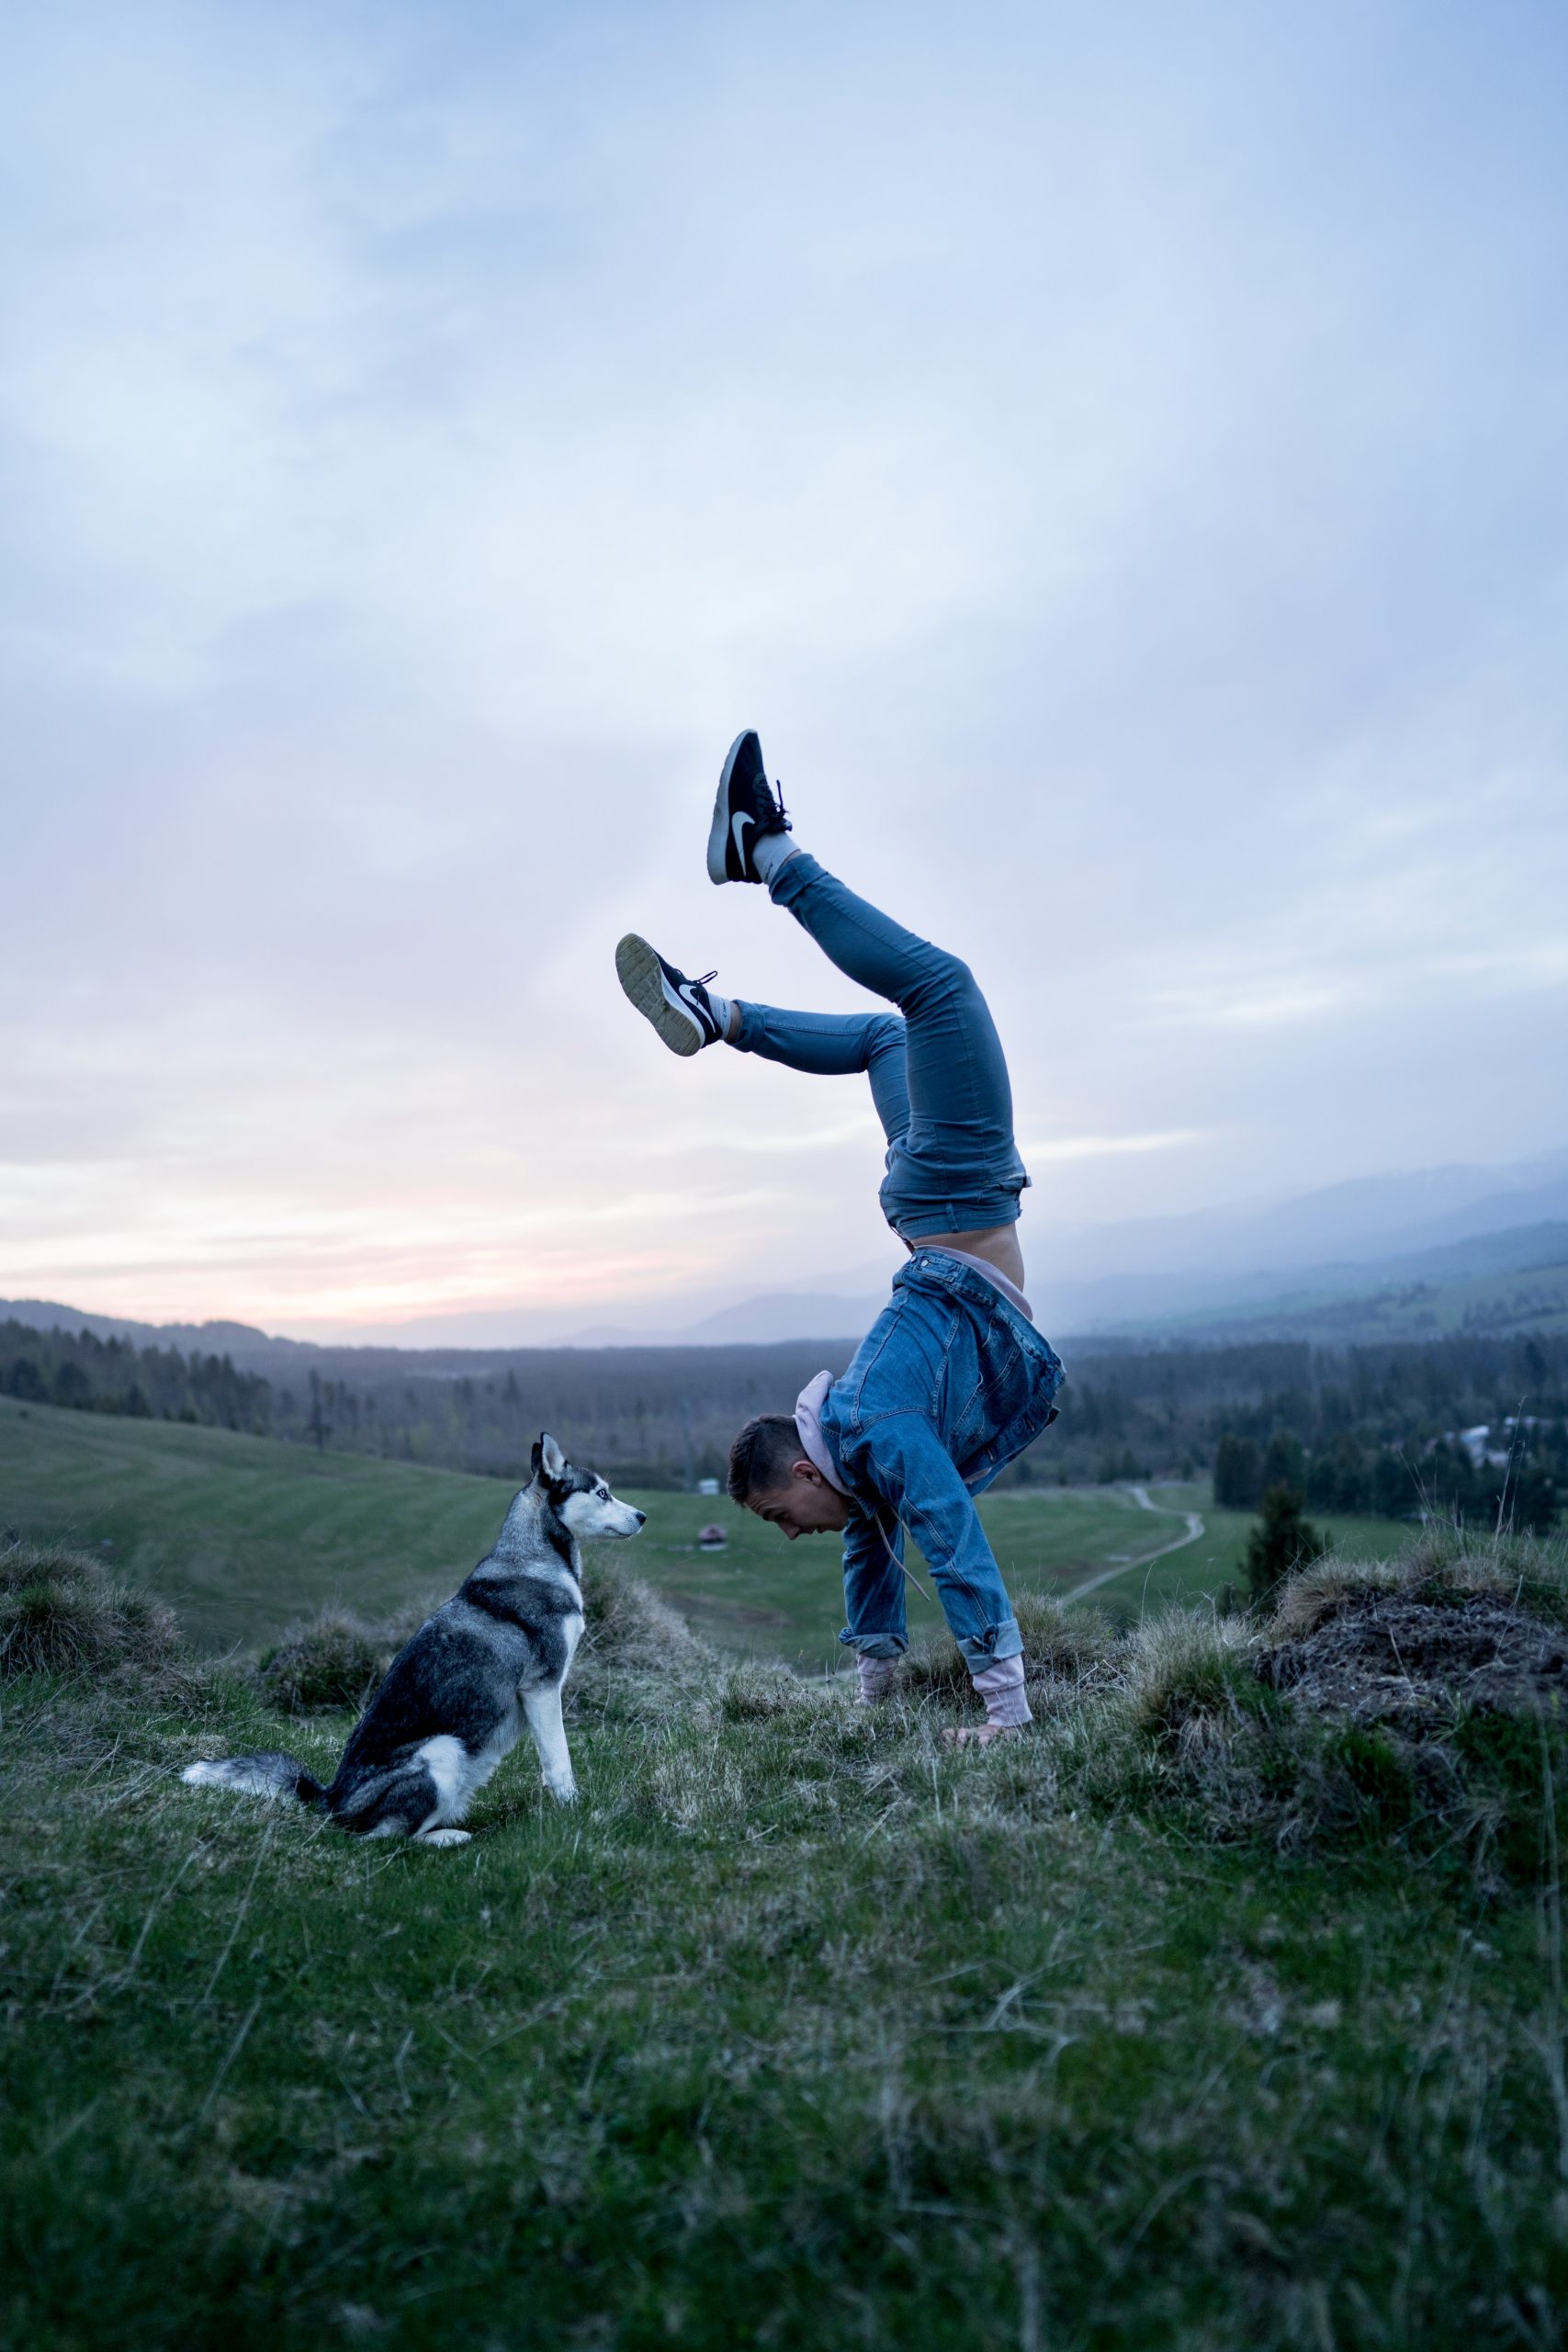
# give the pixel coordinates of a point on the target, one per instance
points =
(991, 1647)
(875, 1645)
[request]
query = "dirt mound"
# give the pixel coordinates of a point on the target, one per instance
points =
(1410, 1664)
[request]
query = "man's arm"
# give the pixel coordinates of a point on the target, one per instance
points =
(874, 1584)
(900, 1459)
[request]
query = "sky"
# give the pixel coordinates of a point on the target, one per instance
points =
(1116, 455)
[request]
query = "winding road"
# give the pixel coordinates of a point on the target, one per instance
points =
(1124, 1567)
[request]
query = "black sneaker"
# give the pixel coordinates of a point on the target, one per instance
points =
(744, 811)
(678, 1008)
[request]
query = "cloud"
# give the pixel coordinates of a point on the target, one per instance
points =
(1061, 1147)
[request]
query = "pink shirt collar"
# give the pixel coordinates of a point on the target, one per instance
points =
(808, 1421)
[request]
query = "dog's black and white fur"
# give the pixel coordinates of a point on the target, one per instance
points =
(457, 1697)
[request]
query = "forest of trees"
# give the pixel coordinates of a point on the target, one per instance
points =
(93, 1375)
(1518, 1478)
(1467, 1424)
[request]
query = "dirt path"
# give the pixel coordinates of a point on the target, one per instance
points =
(1125, 1568)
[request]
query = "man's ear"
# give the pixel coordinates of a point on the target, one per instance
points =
(806, 1472)
(549, 1457)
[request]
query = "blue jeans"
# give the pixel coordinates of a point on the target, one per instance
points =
(937, 1076)
(950, 1382)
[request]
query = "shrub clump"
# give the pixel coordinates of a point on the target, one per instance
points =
(637, 1659)
(330, 1660)
(1185, 1674)
(627, 1626)
(61, 1614)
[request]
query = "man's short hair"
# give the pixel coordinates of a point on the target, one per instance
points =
(762, 1456)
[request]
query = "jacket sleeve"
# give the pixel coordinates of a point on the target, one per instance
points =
(874, 1584)
(901, 1459)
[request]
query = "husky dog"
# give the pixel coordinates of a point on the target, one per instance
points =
(456, 1696)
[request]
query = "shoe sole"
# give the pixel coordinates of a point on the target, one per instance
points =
(719, 832)
(637, 969)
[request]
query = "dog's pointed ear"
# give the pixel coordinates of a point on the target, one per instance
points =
(549, 1457)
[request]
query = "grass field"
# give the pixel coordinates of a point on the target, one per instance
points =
(242, 1535)
(799, 2031)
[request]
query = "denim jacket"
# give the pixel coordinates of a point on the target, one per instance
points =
(949, 1383)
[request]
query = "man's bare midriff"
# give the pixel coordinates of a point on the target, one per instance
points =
(998, 1244)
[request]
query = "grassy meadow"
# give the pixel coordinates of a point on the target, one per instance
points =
(242, 1535)
(1185, 2020)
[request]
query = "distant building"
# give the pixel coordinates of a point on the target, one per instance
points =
(1474, 1443)
(707, 1486)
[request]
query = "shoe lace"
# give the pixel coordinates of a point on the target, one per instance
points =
(702, 982)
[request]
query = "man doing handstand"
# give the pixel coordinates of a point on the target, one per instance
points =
(953, 1380)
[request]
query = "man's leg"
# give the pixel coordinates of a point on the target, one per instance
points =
(832, 1044)
(689, 1014)
(956, 1168)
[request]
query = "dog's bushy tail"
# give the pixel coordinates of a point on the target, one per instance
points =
(268, 1774)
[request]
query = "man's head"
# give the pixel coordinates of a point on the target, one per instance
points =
(771, 1474)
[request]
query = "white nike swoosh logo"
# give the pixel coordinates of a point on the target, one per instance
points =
(684, 1002)
(736, 823)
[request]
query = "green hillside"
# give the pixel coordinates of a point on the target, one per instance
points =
(243, 1533)
(239, 1533)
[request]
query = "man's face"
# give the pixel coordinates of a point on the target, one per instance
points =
(804, 1505)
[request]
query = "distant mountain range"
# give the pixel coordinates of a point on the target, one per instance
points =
(1338, 1240)
(1388, 1256)
(1496, 1284)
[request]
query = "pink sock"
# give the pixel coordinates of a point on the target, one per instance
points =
(876, 1676)
(1001, 1687)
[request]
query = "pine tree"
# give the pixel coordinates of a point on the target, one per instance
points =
(1236, 1486)
(1281, 1542)
(320, 1429)
(1284, 1464)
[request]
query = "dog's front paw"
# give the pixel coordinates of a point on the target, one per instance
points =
(443, 1837)
(563, 1792)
